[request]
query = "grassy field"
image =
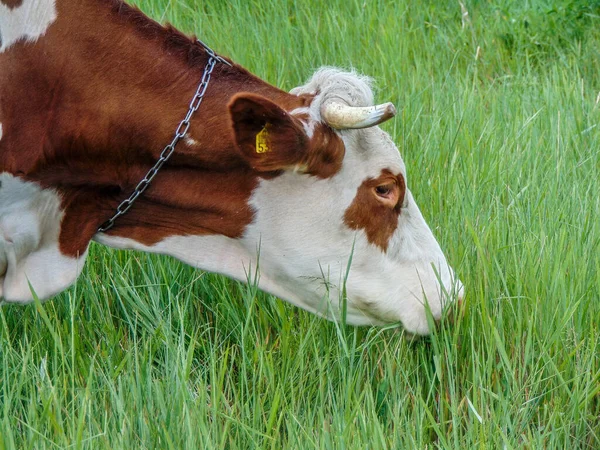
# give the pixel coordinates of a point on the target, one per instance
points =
(498, 126)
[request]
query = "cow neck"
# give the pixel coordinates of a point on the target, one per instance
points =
(116, 84)
(167, 152)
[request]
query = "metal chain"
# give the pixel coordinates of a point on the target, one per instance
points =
(166, 153)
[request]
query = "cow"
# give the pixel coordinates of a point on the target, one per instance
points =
(300, 191)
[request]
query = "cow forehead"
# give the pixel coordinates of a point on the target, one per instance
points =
(371, 150)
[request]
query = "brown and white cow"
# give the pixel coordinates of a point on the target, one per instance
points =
(90, 93)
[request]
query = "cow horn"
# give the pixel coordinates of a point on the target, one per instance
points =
(341, 116)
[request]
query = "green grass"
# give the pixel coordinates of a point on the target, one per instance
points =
(498, 126)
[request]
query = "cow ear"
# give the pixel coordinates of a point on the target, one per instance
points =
(271, 139)
(268, 137)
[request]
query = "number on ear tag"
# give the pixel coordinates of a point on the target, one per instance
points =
(262, 141)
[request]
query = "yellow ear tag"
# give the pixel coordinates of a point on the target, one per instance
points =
(262, 141)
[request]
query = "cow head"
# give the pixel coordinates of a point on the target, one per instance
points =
(339, 216)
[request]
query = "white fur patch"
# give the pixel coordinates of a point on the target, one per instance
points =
(190, 142)
(30, 220)
(29, 21)
(0, 130)
(212, 253)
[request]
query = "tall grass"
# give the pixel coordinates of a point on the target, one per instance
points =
(498, 126)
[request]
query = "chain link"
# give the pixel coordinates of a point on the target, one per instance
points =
(169, 149)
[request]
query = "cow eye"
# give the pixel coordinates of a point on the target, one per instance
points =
(387, 193)
(384, 190)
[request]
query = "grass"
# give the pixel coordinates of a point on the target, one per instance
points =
(498, 126)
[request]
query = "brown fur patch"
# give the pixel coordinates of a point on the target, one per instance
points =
(367, 213)
(326, 152)
(12, 3)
